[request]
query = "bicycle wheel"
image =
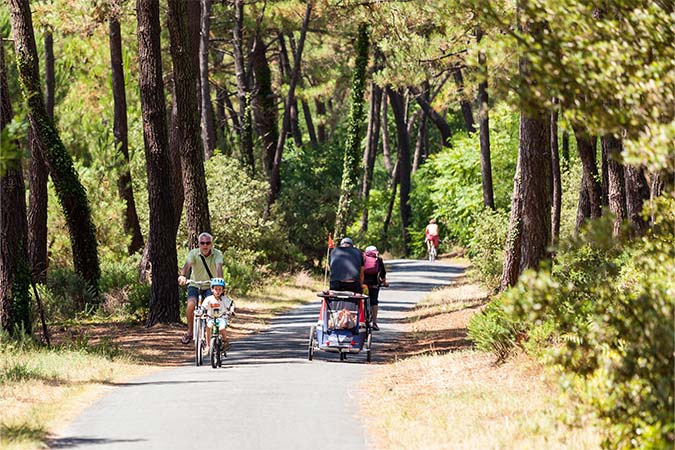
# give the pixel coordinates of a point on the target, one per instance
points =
(310, 350)
(197, 340)
(214, 354)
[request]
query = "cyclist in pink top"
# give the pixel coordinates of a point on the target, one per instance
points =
(431, 234)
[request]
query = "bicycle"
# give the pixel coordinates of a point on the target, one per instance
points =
(199, 323)
(432, 251)
(217, 347)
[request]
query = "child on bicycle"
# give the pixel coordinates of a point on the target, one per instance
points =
(217, 301)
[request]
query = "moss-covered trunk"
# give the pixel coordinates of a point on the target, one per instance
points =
(71, 193)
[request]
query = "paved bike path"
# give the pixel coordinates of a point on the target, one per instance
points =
(267, 395)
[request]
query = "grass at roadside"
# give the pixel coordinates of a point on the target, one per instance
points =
(40, 387)
(443, 394)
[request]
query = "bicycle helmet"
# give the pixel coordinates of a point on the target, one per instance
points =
(217, 282)
(371, 248)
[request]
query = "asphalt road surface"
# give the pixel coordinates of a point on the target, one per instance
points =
(267, 395)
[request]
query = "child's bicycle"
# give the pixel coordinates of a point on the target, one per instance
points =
(199, 323)
(217, 352)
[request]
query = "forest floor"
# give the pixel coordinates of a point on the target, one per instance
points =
(438, 392)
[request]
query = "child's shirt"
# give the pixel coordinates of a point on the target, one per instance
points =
(223, 303)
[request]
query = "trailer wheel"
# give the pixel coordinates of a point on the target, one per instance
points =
(310, 349)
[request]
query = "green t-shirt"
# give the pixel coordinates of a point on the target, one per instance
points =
(198, 272)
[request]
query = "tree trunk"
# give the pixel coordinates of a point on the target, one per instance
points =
(637, 191)
(164, 307)
(294, 129)
(616, 194)
(392, 199)
(555, 180)
(70, 191)
(350, 168)
(275, 177)
(512, 257)
(467, 111)
(403, 163)
(243, 92)
(50, 79)
(386, 152)
(605, 176)
(264, 103)
(421, 132)
(321, 117)
(177, 192)
(584, 205)
(38, 195)
(120, 129)
(187, 96)
(15, 276)
(307, 112)
(207, 125)
(373, 136)
(586, 150)
(437, 119)
(484, 130)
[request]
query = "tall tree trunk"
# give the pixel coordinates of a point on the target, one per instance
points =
(467, 111)
(321, 120)
(421, 131)
(605, 176)
(437, 119)
(484, 129)
(636, 192)
(264, 103)
(616, 194)
(164, 305)
(307, 113)
(384, 125)
(275, 177)
(403, 163)
(15, 276)
(555, 180)
(207, 124)
(187, 95)
(50, 78)
(350, 168)
(531, 207)
(120, 129)
(294, 129)
(373, 136)
(390, 206)
(69, 190)
(243, 92)
(586, 150)
(565, 149)
(584, 204)
(38, 195)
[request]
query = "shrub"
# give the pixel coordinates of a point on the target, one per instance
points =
(493, 330)
(486, 246)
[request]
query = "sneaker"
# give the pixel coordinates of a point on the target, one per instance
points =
(375, 327)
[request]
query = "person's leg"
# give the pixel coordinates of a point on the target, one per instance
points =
(208, 336)
(223, 334)
(191, 301)
(374, 309)
(374, 302)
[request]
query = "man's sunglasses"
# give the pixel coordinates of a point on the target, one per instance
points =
(205, 243)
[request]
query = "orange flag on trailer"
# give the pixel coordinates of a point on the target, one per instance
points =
(330, 241)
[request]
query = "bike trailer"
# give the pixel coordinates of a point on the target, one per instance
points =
(342, 326)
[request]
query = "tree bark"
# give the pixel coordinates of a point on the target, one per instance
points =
(421, 132)
(392, 199)
(586, 150)
(372, 140)
(264, 103)
(584, 204)
(164, 307)
(208, 131)
(605, 176)
(565, 149)
(70, 191)
(403, 163)
(120, 129)
(386, 152)
(512, 256)
(467, 111)
(616, 194)
(321, 120)
(555, 180)
(50, 79)
(15, 276)
(187, 95)
(38, 174)
(437, 119)
(243, 91)
(275, 177)
(294, 130)
(637, 191)
(484, 129)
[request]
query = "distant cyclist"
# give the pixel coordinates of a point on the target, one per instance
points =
(431, 235)
(204, 263)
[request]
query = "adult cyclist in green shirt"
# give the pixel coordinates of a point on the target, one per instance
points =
(204, 263)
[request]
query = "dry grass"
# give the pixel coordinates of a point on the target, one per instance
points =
(444, 395)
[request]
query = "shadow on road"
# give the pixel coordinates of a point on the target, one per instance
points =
(72, 442)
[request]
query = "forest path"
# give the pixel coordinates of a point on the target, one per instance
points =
(267, 395)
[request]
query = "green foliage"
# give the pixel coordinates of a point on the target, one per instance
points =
(448, 186)
(486, 246)
(611, 303)
(493, 330)
(138, 301)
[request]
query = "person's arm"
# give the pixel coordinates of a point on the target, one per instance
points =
(182, 278)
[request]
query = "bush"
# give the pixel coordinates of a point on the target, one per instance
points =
(493, 330)
(486, 246)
